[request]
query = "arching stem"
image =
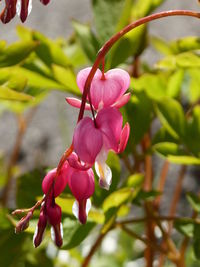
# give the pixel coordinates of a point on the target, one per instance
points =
(106, 47)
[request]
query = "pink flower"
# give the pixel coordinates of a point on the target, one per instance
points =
(106, 90)
(81, 184)
(21, 7)
(80, 179)
(92, 142)
(51, 213)
(9, 11)
(59, 183)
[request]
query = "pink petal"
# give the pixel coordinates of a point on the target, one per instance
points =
(105, 92)
(60, 182)
(81, 183)
(76, 103)
(109, 120)
(82, 77)
(87, 140)
(53, 212)
(80, 210)
(76, 164)
(124, 138)
(40, 229)
(123, 100)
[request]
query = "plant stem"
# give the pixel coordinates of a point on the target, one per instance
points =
(144, 240)
(160, 218)
(104, 50)
(177, 194)
(23, 123)
(161, 183)
(93, 250)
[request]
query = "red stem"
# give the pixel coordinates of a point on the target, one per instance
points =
(104, 50)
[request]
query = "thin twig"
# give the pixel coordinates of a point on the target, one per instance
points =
(177, 194)
(23, 123)
(93, 250)
(161, 183)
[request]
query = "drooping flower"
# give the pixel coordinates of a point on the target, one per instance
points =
(81, 184)
(50, 213)
(50, 182)
(80, 179)
(21, 7)
(106, 89)
(92, 140)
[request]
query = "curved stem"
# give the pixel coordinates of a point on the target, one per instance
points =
(104, 50)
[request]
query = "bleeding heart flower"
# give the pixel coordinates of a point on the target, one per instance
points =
(51, 213)
(81, 184)
(106, 90)
(92, 140)
(9, 11)
(59, 183)
(21, 7)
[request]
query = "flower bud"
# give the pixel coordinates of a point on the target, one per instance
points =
(40, 229)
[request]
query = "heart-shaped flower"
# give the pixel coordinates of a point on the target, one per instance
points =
(106, 90)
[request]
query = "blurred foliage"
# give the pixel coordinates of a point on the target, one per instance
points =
(167, 94)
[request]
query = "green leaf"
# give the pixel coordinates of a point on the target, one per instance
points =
(183, 60)
(174, 84)
(196, 244)
(66, 77)
(117, 198)
(37, 80)
(132, 44)
(106, 17)
(74, 233)
(193, 131)
(142, 196)
(160, 45)
(153, 84)
(24, 33)
(28, 188)
(141, 106)
(171, 116)
(185, 227)
(166, 149)
(135, 180)
(87, 40)
(162, 136)
(143, 8)
(194, 201)
(9, 94)
(194, 81)
(17, 52)
(185, 44)
(186, 160)
(49, 51)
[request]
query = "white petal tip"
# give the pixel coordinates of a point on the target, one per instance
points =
(103, 184)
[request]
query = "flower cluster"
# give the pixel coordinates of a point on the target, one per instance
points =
(21, 7)
(92, 140)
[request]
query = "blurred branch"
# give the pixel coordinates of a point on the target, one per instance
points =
(93, 249)
(23, 122)
(161, 183)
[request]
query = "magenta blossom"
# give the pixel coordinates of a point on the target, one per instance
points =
(51, 213)
(92, 140)
(81, 184)
(21, 7)
(80, 179)
(106, 89)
